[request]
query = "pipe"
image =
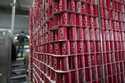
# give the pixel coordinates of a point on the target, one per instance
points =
(13, 16)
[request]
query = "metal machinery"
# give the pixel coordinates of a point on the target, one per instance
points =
(5, 56)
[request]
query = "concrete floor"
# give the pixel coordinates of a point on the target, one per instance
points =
(22, 65)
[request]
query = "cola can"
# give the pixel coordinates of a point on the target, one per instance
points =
(61, 5)
(86, 21)
(92, 10)
(80, 21)
(93, 23)
(83, 8)
(51, 48)
(80, 47)
(62, 33)
(51, 37)
(80, 34)
(55, 7)
(56, 48)
(64, 48)
(95, 10)
(73, 6)
(92, 47)
(73, 19)
(73, 47)
(72, 33)
(65, 18)
(78, 6)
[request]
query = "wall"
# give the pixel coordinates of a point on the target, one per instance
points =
(21, 22)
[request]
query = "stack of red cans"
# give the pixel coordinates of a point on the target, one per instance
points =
(77, 41)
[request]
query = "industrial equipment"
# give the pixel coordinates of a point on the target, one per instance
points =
(5, 56)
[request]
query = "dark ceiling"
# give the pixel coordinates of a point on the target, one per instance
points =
(22, 6)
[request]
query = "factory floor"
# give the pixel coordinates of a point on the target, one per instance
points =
(19, 70)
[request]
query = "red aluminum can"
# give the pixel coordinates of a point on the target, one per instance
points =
(96, 24)
(87, 36)
(51, 48)
(74, 77)
(85, 47)
(94, 75)
(50, 23)
(123, 36)
(73, 19)
(92, 47)
(95, 10)
(92, 35)
(80, 21)
(71, 62)
(65, 18)
(93, 59)
(88, 10)
(60, 76)
(116, 16)
(92, 22)
(80, 34)
(59, 64)
(73, 5)
(56, 20)
(115, 27)
(103, 12)
(80, 61)
(92, 10)
(49, 2)
(61, 3)
(87, 74)
(111, 25)
(102, 3)
(107, 46)
(52, 20)
(113, 14)
(98, 46)
(88, 21)
(73, 47)
(78, 7)
(84, 21)
(116, 36)
(105, 58)
(56, 48)
(103, 24)
(83, 10)
(64, 47)
(108, 4)
(80, 47)
(55, 35)
(124, 25)
(77, 20)
(51, 37)
(93, 1)
(81, 76)
(62, 33)
(87, 60)
(72, 33)
(55, 7)
(121, 26)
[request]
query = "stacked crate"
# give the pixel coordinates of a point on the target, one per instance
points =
(77, 41)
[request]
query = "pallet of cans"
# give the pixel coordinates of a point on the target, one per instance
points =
(77, 41)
